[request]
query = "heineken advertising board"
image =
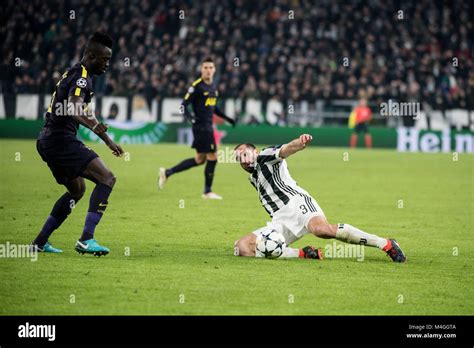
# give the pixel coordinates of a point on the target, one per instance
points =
(402, 139)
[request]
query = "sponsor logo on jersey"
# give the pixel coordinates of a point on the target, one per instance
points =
(210, 102)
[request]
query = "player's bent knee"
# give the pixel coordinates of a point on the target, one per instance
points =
(110, 179)
(200, 159)
(322, 230)
(80, 193)
(113, 180)
(77, 194)
(211, 157)
(77, 190)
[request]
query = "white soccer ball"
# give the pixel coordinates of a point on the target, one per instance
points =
(270, 244)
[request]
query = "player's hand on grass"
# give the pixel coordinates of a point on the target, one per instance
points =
(99, 128)
(305, 139)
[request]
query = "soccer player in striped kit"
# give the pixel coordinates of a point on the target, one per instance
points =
(293, 211)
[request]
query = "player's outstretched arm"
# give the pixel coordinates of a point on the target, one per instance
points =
(295, 145)
(87, 119)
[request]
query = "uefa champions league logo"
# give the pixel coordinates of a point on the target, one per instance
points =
(81, 83)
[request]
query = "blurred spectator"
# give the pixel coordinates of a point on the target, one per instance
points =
(113, 111)
(330, 49)
(281, 121)
(253, 120)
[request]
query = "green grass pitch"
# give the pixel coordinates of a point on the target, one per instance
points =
(181, 258)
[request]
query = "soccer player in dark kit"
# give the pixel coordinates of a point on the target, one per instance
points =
(68, 158)
(202, 95)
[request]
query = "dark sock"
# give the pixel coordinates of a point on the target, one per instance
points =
(61, 209)
(97, 205)
(186, 164)
(92, 219)
(209, 175)
(48, 228)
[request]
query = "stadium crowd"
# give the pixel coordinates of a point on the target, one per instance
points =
(286, 49)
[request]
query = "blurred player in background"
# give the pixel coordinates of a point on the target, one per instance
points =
(294, 212)
(361, 117)
(202, 96)
(68, 158)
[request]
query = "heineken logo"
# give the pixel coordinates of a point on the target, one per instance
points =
(414, 140)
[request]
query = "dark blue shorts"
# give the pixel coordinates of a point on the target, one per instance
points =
(204, 141)
(67, 158)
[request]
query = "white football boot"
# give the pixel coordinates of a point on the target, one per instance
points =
(162, 178)
(211, 195)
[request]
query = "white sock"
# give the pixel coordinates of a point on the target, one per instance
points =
(290, 252)
(350, 234)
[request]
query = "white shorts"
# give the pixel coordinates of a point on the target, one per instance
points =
(292, 219)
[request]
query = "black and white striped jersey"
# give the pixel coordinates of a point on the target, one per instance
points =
(273, 181)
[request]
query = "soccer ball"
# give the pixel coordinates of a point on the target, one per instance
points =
(270, 244)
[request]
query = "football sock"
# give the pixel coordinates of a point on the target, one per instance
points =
(62, 208)
(350, 234)
(97, 205)
(353, 140)
(368, 141)
(290, 252)
(186, 164)
(209, 175)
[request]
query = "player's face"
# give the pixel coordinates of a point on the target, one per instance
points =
(246, 157)
(101, 60)
(207, 71)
